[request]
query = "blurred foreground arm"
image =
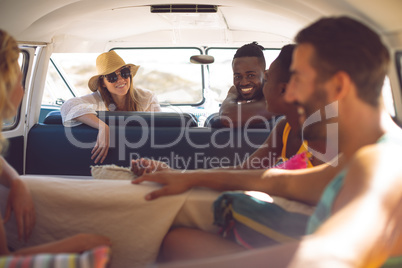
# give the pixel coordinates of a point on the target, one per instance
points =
(19, 201)
(365, 228)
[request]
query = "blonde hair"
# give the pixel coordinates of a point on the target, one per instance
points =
(9, 71)
(132, 103)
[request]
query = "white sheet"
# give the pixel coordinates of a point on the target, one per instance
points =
(116, 209)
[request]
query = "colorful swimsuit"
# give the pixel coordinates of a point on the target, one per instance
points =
(303, 147)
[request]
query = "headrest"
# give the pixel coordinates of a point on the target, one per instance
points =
(53, 118)
(156, 119)
(214, 121)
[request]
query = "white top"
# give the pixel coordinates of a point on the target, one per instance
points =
(93, 102)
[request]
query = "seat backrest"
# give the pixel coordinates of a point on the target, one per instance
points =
(156, 119)
(53, 118)
(214, 121)
(58, 150)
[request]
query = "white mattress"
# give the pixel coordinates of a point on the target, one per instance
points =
(117, 209)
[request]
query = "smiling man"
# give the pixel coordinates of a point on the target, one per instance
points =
(245, 103)
(338, 69)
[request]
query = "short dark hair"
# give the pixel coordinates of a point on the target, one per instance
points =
(284, 61)
(251, 50)
(344, 44)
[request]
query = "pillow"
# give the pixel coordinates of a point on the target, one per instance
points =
(94, 258)
(111, 172)
(255, 223)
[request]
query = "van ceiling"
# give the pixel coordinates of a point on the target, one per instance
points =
(97, 25)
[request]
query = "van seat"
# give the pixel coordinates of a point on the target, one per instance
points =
(214, 121)
(155, 119)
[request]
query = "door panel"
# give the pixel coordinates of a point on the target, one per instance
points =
(14, 130)
(15, 152)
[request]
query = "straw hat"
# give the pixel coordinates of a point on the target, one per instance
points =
(107, 63)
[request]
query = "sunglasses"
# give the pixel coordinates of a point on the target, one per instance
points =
(124, 73)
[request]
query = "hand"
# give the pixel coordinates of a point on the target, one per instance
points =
(144, 166)
(101, 148)
(175, 182)
(20, 201)
(233, 91)
(229, 107)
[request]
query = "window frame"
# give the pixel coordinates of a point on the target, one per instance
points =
(62, 76)
(24, 70)
(398, 61)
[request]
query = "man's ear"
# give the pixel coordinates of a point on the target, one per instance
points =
(341, 84)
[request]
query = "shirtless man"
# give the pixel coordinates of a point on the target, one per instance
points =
(338, 68)
(283, 142)
(245, 103)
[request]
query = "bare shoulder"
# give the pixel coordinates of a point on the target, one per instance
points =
(378, 164)
(386, 152)
(373, 175)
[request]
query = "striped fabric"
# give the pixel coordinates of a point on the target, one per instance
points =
(95, 258)
(254, 223)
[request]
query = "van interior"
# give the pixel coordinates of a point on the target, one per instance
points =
(185, 51)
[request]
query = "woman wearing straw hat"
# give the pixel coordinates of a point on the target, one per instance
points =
(113, 91)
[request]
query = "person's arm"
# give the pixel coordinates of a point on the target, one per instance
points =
(176, 182)
(3, 239)
(74, 244)
(19, 200)
(101, 148)
(304, 185)
(364, 230)
(233, 113)
(82, 110)
(222, 179)
(78, 106)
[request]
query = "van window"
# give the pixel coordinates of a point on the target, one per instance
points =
(13, 122)
(165, 71)
(221, 73)
(388, 97)
(168, 72)
(57, 88)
